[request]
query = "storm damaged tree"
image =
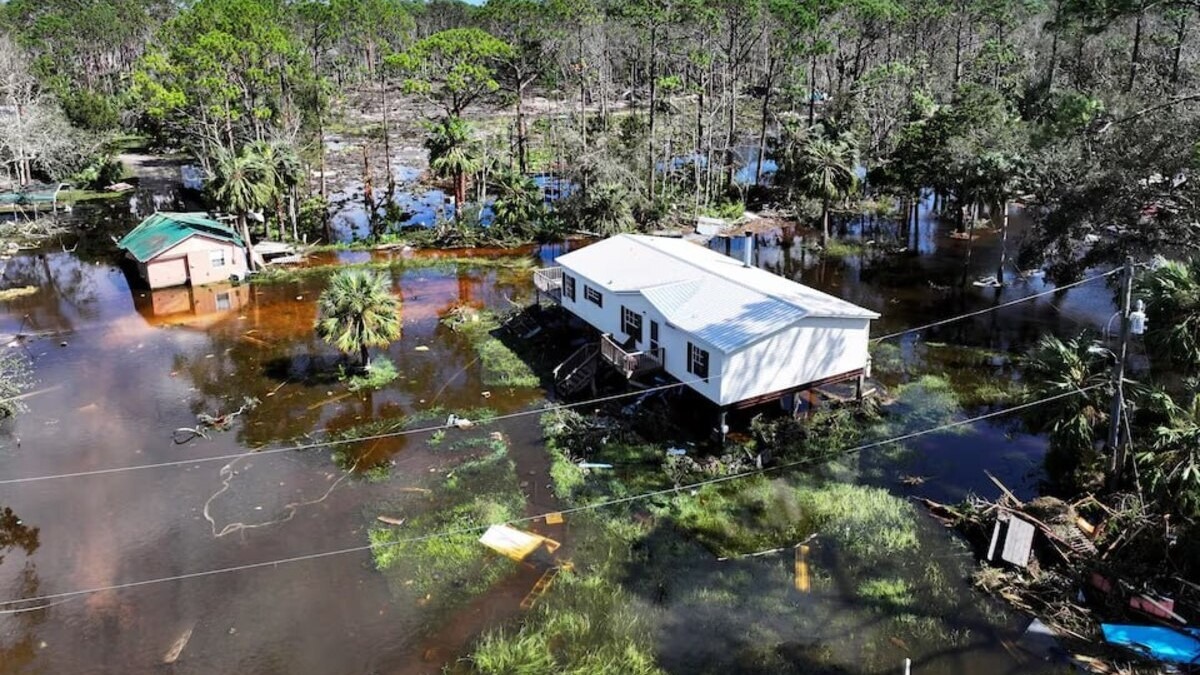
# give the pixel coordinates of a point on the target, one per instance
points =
(358, 311)
(452, 69)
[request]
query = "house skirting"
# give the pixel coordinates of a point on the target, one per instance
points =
(776, 395)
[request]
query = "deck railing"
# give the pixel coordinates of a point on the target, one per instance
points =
(549, 281)
(631, 363)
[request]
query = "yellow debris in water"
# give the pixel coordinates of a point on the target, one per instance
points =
(555, 518)
(18, 292)
(513, 543)
(802, 581)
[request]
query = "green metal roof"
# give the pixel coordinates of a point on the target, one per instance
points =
(163, 231)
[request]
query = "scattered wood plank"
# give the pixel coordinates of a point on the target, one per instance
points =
(390, 520)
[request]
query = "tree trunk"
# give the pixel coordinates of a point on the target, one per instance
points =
(825, 223)
(1003, 244)
(958, 46)
(812, 87)
(292, 215)
(653, 103)
(1136, 55)
(522, 142)
(1177, 55)
(387, 144)
(460, 192)
(762, 131)
(250, 263)
(365, 356)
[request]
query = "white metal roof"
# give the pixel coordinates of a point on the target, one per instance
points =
(703, 292)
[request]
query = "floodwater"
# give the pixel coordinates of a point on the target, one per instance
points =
(119, 369)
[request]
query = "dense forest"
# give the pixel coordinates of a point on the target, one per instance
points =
(1084, 111)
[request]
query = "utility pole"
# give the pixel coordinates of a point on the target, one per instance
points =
(1115, 444)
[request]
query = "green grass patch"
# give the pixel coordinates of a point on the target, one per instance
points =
(89, 195)
(502, 367)
(587, 625)
(887, 360)
(886, 594)
(450, 569)
(841, 248)
(755, 514)
(380, 371)
(928, 401)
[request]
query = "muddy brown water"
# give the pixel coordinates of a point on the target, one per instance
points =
(124, 367)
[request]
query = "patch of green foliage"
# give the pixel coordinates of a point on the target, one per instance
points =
(926, 402)
(502, 367)
(887, 360)
(380, 372)
(886, 594)
(455, 567)
(757, 514)
(725, 210)
(842, 248)
(587, 624)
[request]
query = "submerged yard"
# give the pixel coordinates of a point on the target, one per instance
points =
(703, 579)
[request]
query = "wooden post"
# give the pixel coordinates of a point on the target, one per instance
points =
(722, 427)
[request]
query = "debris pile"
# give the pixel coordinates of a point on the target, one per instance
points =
(1087, 570)
(206, 422)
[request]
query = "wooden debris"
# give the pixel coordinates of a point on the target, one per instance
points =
(390, 520)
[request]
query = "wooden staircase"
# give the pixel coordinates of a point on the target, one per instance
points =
(578, 371)
(522, 325)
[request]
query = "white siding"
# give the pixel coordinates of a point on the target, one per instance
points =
(812, 350)
(607, 319)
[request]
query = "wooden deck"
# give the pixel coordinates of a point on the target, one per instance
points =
(549, 282)
(631, 364)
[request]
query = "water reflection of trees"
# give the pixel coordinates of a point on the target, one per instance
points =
(72, 282)
(16, 534)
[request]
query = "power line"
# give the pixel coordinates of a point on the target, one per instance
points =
(55, 597)
(1000, 306)
(503, 417)
(344, 441)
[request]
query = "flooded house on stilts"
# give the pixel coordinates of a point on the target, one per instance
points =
(737, 335)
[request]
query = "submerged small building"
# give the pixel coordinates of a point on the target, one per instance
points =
(173, 249)
(736, 334)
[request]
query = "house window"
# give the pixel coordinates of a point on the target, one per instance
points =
(653, 335)
(569, 287)
(593, 295)
(697, 361)
(216, 258)
(631, 323)
(222, 301)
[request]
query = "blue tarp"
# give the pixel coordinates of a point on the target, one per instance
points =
(1156, 642)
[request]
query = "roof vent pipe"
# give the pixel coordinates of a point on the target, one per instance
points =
(748, 249)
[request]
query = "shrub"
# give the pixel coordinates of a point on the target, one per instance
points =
(90, 110)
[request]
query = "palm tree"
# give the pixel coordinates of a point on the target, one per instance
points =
(1056, 367)
(282, 171)
(518, 204)
(453, 154)
(358, 311)
(241, 184)
(828, 173)
(1172, 296)
(1170, 465)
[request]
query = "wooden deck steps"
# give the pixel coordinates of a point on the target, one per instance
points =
(522, 325)
(578, 371)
